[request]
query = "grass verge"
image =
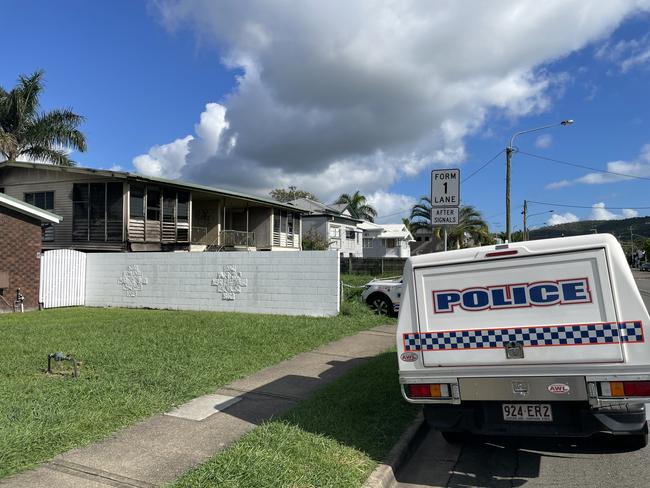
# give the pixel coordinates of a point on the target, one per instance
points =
(136, 363)
(334, 439)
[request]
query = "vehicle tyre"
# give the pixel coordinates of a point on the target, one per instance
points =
(455, 437)
(380, 304)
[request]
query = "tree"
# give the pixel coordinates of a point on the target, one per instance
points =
(39, 136)
(313, 241)
(292, 193)
(470, 222)
(358, 207)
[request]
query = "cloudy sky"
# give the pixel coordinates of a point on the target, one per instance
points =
(337, 96)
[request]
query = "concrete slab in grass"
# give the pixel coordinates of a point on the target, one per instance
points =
(362, 345)
(202, 407)
(297, 378)
(44, 477)
(162, 448)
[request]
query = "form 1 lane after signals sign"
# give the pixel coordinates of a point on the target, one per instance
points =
(445, 196)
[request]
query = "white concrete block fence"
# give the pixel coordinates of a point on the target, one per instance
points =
(289, 283)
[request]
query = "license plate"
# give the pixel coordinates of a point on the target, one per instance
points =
(527, 412)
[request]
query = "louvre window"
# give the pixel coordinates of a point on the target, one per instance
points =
(136, 202)
(97, 212)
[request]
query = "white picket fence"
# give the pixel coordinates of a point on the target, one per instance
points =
(63, 278)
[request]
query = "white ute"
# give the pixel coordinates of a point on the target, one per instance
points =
(532, 338)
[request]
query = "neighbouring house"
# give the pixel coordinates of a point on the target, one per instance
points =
(333, 223)
(106, 210)
(21, 230)
(386, 240)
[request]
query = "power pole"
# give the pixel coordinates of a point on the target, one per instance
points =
(508, 162)
(525, 228)
(632, 246)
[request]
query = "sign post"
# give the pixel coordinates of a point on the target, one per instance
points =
(445, 198)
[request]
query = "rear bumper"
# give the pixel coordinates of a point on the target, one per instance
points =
(575, 419)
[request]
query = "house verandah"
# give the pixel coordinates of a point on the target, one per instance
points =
(111, 210)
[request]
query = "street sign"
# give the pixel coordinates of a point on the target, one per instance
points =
(444, 216)
(445, 188)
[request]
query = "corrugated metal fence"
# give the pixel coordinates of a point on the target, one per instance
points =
(63, 278)
(373, 266)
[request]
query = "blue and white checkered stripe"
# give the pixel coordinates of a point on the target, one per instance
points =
(560, 335)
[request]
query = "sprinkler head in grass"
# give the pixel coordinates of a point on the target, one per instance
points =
(60, 357)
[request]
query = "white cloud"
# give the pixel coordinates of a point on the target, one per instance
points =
(627, 54)
(165, 160)
(391, 207)
(558, 218)
(337, 96)
(558, 184)
(599, 212)
(639, 167)
(544, 141)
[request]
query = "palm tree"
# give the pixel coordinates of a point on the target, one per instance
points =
(469, 221)
(358, 207)
(37, 136)
(421, 216)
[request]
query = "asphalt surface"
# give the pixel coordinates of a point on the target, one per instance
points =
(512, 462)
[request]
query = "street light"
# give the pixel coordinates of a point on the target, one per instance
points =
(509, 151)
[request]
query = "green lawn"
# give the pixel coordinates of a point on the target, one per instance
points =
(136, 363)
(334, 439)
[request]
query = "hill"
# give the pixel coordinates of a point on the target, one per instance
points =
(619, 228)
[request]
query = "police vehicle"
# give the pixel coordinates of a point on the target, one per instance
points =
(383, 296)
(543, 337)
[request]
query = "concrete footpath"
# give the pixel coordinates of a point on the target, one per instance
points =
(161, 448)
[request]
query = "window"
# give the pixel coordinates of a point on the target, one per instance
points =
(97, 212)
(136, 202)
(367, 242)
(277, 221)
(289, 223)
(390, 243)
(80, 207)
(183, 209)
(350, 234)
(43, 199)
(153, 203)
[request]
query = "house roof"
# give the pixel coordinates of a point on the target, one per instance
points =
(317, 208)
(388, 231)
(147, 179)
(27, 209)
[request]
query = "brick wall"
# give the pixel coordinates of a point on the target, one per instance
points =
(291, 283)
(20, 243)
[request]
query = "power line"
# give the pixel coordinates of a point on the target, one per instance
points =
(585, 206)
(483, 166)
(582, 166)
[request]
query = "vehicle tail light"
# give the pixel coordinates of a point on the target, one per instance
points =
(637, 388)
(495, 254)
(427, 390)
(620, 389)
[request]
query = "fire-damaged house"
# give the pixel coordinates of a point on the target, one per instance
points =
(106, 210)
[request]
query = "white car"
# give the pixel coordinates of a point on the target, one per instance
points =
(383, 295)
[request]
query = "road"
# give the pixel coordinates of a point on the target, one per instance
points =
(513, 462)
